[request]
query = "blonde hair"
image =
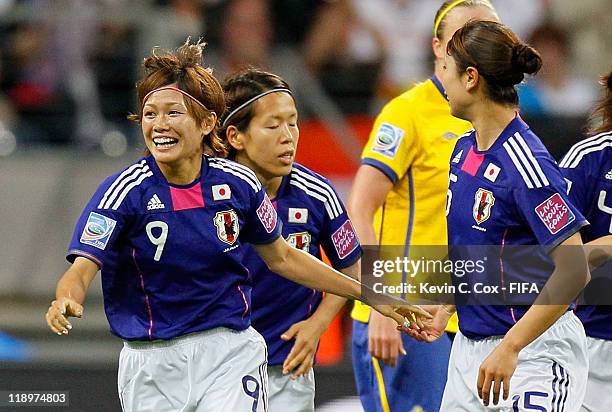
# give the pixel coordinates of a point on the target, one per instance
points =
(449, 5)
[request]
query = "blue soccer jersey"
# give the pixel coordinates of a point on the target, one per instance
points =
(171, 256)
(510, 194)
(312, 216)
(587, 167)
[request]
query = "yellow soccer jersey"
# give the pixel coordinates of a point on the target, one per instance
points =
(411, 143)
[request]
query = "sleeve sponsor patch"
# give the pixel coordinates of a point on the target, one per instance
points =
(267, 214)
(555, 213)
(345, 239)
(98, 230)
(387, 140)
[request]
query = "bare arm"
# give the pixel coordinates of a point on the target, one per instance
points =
(309, 271)
(308, 332)
(370, 189)
(599, 251)
(70, 295)
(570, 276)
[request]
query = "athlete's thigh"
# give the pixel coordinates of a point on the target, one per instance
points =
(241, 381)
(599, 384)
(290, 395)
(366, 378)
(147, 383)
(418, 379)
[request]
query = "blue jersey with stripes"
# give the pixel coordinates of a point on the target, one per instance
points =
(312, 217)
(170, 255)
(510, 194)
(587, 167)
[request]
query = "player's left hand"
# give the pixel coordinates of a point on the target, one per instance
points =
(301, 358)
(496, 370)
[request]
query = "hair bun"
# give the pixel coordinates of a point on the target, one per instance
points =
(526, 59)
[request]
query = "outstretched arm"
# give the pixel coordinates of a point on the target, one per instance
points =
(308, 332)
(309, 271)
(599, 251)
(70, 295)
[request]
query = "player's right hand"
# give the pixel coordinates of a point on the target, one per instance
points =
(428, 330)
(384, 340)
(58, 313)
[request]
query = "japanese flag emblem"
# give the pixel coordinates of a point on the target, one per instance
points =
(298, 215)
(227, 226)
(221, 192)
(491, 172)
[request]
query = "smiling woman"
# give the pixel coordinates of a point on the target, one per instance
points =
(169, 235)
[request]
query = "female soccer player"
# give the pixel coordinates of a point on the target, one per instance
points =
(262, 131)
(506, 190)
(169, 234)
(587, 167)
(398, 198)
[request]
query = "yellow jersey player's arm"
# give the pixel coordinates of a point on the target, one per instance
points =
(387, 156)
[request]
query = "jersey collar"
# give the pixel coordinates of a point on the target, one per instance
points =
(160, 176)
(438, 84)
(516, 125)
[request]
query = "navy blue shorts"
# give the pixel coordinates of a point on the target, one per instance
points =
(416, 382)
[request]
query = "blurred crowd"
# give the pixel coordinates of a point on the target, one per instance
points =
(68, 67)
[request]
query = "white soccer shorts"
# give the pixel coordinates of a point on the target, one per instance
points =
(550, 375)
(599, 385)
(219, 370)
(288, 395)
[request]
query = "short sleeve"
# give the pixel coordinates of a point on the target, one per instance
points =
(97, 229)
(546, 207)
(578, 187)
(338, 237)
(262, 224)
(391, 147)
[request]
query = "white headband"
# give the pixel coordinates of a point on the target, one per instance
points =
(252, 99)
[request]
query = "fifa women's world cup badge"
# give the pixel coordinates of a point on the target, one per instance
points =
(227, 226)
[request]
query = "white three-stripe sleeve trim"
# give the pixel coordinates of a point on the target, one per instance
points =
(238, 167)
(575, 150)
(243, 170)
(320, 190)
(118, 180)
(235, 173)
(518, 165)
(324, 186)
(585, 152)
(525, 162)
(130, 187)
(531, 157)
(121, 187)
(315, 195)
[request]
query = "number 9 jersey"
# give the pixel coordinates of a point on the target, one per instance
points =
(170, 255)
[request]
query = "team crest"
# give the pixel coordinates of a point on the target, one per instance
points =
(227, 226)
(483, 201)
(299, 241)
